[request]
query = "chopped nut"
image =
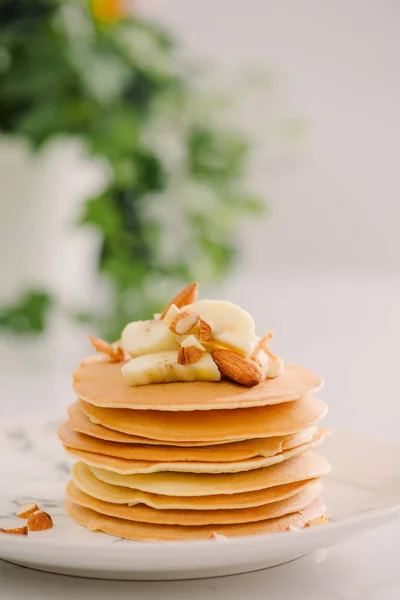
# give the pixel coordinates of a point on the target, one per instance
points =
(205, 332)
(39, 521)
(186, 296)
(263, 344)
(114, 351)
(191, 340)
(26, 510)
(16, 530)
(184, 322)
(275, 368)
(188, 355)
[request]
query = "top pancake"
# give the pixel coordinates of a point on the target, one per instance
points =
(102, 384)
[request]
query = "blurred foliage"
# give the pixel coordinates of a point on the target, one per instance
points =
(29, 314)
(177, 190)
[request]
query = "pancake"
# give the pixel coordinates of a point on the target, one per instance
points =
(132, 530)
(90, 485)
(222, 453)
(102, 384)
(131, 467)
(231, 425)
(146, 514)
(297, 468)
(79, 422)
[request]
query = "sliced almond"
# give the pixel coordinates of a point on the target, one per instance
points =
(238, 368)
(26, 510)
(259, 356)
(39, 521)
(186, 296)
(16, 530)
(113, 351)
(184, 322)
(205, 332)
(172, 312)
(188, 355)
(263, 344)
(191, 340)
(270, 363)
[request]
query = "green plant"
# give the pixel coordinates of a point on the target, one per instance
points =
(177, 189)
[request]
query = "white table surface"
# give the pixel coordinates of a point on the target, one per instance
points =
(346, 328)
(366, 568)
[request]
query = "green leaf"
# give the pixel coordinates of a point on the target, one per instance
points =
(29, 313)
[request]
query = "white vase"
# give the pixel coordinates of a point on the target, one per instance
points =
(41, 198)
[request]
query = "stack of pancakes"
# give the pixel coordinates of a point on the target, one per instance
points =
(190, 460)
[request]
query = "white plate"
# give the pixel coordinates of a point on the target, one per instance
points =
(362, 492)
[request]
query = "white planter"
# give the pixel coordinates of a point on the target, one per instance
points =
(41, 197)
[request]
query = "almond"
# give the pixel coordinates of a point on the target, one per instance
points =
(205, 332)
(16, 530)
(191, 340)
(263, 345)
(186, 296)
(26, 510)
(184, 322)
(238, 368)
(188, 355)
(39, 521)
(114, 351)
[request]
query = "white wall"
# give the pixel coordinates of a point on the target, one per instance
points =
(337, 206)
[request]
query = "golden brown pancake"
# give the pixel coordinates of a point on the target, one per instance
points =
(79, 422)
(260, 447)
(146, 514)
(204, 425)
(127, 467)
(102, 384)
(298, 468)
(132, 530)
(90, 485)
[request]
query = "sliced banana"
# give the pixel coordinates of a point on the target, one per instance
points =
(164, 368)
(232, 327)
(145, 337)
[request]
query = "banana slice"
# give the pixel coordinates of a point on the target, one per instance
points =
(232, 327)
(145, 337)
(164, 368)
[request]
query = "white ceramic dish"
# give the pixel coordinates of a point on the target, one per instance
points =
(362, 492)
